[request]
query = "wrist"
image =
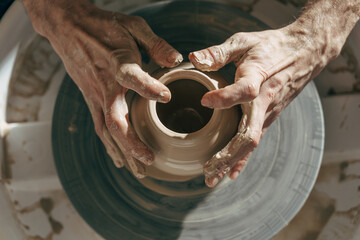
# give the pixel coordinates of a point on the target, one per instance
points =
(326, 24)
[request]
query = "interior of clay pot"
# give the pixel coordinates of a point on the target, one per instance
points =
(184, 113)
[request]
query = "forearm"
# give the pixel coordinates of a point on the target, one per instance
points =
(327, 24)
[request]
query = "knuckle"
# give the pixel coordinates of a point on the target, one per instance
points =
(238, 35)
(271, 93)
(138, 20)
(126, 21)
(263, 73)
(131, 21)
(252, 141)
(276, 81)
(114, 58)
(241, 38)
(219, 55)
(252, 91)
(158, 46)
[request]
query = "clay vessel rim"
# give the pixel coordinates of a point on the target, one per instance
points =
(188, 74)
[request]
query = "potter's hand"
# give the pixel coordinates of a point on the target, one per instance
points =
(100, 52)
(272, 68)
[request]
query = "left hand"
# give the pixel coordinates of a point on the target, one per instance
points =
(100, 51)
(272, 68)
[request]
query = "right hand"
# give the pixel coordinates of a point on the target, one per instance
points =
(273, 67)
(100, 52)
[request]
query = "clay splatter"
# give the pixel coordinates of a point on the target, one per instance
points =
(47, 205)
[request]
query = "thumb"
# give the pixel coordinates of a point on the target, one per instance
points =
(215, 57)
(246, 87)
(240, 146)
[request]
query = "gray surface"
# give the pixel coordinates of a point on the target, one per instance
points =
(265, 197)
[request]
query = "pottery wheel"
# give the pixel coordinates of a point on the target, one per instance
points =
(265, 197)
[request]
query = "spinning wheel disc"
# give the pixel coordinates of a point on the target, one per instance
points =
(265, 197)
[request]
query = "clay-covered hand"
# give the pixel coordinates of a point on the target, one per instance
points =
(273, 66)
(100, 52)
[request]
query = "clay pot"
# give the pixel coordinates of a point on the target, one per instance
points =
(182, 133)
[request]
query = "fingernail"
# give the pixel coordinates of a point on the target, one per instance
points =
(206, 102)
(175, 58)
(147, 160)
(211, 182)
(143, 155)
(116, 163)
(207, 182)
(164, 97)
(138, 170)
(214, 181)
(140, 176)
(234, 175)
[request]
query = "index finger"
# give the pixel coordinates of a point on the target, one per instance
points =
(215, 57)
(157, 48)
